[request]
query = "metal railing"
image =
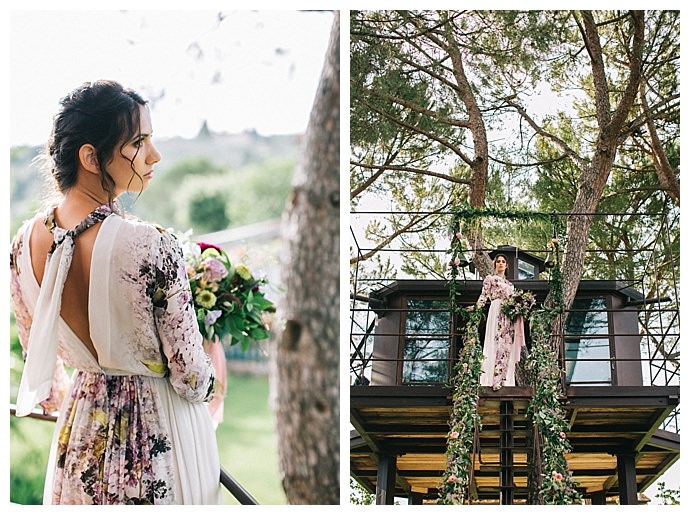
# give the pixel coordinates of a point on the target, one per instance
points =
(658, 309)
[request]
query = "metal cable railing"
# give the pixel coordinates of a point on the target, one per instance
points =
(651, 269)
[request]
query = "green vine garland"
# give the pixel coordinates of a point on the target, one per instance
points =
(554, 483)
(465, 418)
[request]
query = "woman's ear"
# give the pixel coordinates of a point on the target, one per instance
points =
(88, 159)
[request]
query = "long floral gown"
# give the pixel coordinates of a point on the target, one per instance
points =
(133, 427)
(502, 345)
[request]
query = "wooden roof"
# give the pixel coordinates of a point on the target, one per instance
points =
(412, 423)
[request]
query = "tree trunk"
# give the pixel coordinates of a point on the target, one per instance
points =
(305, 365)
(480, 162)
(593, 178)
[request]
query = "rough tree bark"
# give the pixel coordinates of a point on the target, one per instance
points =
(594, 176)
(305, 364)
(475, 123)
(664, 170)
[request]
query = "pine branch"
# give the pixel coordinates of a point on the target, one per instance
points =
(384, 167)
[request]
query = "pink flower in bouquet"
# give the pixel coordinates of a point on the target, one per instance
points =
(214, 270)
(228, 300)
(562, 435)
(557, 476)
(452, 478)
(454, 434)
(212, 316)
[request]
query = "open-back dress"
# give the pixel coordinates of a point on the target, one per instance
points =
(133, 427)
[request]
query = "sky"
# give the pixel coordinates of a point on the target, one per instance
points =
(237, 70)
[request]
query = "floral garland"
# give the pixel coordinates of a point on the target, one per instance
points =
(555, 481)
(555, 484)
(465, 418)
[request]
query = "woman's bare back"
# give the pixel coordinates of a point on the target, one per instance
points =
(75, 296)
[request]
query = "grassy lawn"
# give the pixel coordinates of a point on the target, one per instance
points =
(246, 441)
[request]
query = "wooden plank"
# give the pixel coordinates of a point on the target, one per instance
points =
(601, 424)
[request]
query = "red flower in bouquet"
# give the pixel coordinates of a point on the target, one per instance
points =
(203, 246)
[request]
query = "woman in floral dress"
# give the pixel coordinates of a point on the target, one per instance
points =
(109, 297)
(502, 342)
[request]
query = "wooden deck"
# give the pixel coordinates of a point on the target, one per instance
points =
(411, 423)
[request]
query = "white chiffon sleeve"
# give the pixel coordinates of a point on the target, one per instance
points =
(190, 370)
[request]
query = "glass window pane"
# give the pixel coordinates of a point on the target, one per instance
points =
(588, 357)
(526, 270)
(425, 361)
(427, 341)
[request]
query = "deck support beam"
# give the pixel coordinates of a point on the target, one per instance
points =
(385, 479)
(507, 445)
(415, 498)
(598, 498)
(627, 482)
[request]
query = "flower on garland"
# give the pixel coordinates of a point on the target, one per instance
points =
(547, 414)
(519, 303)
(229, 300)
(464, 417)
(558, 486)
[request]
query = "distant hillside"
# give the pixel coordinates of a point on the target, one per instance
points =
(233, 154)
(232, 150)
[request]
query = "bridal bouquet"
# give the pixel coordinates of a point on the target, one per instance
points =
(520, 303)
(227, 297)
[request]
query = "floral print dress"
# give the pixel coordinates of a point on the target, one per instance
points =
(133, 427)
(501, 347)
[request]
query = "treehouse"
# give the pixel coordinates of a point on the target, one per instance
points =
(621, 396)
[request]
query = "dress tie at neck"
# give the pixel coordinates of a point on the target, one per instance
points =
(41, 357)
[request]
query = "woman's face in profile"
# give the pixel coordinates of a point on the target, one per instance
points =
(139, 153)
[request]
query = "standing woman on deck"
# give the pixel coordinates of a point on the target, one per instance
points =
(504, 339)
(109, 297)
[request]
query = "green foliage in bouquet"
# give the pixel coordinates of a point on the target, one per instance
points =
(520, 303)
(229, 301)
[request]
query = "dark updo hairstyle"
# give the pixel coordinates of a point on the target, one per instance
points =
(100, 113)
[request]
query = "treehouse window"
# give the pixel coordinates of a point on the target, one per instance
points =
(427, 341)
(527, 270)
(587, 343)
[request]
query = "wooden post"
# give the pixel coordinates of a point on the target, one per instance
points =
(627, 483)
(385, 479)
(598, 498)
(415, 498)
